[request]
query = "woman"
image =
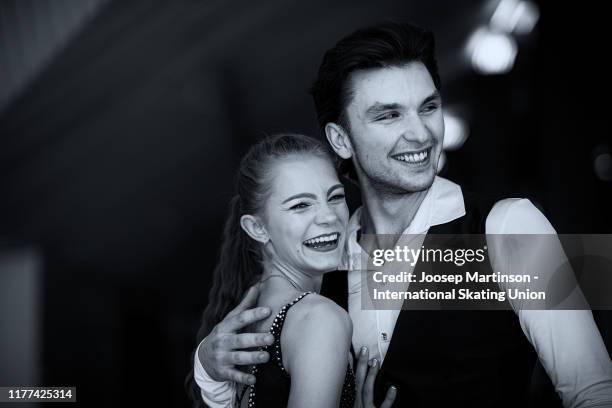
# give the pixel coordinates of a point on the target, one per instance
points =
(286, 228)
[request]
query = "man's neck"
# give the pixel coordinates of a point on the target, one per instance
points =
(389, 213)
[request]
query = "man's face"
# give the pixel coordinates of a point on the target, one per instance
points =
(396, 127)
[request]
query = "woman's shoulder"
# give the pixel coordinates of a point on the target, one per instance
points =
(315, 326)
(316, 318)
(320, 311)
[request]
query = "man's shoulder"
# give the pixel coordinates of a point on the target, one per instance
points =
(500, 214)
(517, 216)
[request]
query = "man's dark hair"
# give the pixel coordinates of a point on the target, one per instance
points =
(383, 45)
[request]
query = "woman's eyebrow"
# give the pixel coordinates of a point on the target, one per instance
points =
(334, 187)
(301, 195)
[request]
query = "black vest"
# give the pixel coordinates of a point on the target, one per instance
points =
(453, 358)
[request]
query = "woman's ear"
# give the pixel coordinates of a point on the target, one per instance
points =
(253, 226)
(339, 140)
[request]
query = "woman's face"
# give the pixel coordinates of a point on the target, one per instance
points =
(306, 215)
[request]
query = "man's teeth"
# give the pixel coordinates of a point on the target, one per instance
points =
(322, 239)
(413, 157)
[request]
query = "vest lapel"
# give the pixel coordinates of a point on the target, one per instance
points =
(335, 287)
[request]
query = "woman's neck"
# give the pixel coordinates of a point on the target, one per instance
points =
(279, 286)
(285, 276)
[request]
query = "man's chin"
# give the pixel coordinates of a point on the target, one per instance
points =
(415, 188)
(402, 183)
(406, 186)
(419, 182)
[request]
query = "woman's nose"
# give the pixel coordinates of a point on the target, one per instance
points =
(326, 215)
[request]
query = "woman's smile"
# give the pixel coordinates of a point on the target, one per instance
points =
(324, 242)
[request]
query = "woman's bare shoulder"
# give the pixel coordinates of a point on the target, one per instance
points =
(319, 309)
(315, 326)
(316, 316)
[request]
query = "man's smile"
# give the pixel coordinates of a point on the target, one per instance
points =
(414, 158)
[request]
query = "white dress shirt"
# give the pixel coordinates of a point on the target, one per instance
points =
(567, 342)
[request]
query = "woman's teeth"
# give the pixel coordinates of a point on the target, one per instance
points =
(321, 241)
(413, 157)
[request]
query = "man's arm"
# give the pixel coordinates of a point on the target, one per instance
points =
(219, 353)
(567, 342)
(215, 394)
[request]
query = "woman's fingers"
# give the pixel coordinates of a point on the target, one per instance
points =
(362, 369)
(368, 386)
(390, 397)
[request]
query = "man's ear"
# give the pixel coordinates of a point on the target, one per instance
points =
(339, 140)
(254, 228)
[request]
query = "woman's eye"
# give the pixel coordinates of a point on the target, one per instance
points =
(336, 197)
(298, 206)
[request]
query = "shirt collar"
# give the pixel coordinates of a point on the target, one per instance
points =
(442, 203)
(447, 202)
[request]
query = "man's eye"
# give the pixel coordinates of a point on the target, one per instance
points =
(336, 197)
(388, 116)
(430, 108)
(298, 206)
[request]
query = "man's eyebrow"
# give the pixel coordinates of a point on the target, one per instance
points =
(301, 195)
(435, 96)
(334, 187)
(381, 107)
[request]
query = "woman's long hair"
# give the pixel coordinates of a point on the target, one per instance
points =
(240, 258)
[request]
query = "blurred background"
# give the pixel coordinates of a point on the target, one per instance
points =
(121, 125)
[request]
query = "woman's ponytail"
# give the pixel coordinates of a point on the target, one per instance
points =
(238, 268)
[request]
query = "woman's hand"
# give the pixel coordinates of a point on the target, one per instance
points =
(365, 376)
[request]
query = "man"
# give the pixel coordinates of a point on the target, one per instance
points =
(378, 102)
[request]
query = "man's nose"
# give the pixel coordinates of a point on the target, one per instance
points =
(415, 129)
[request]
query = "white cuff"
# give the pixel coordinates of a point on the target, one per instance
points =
(214, 393)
